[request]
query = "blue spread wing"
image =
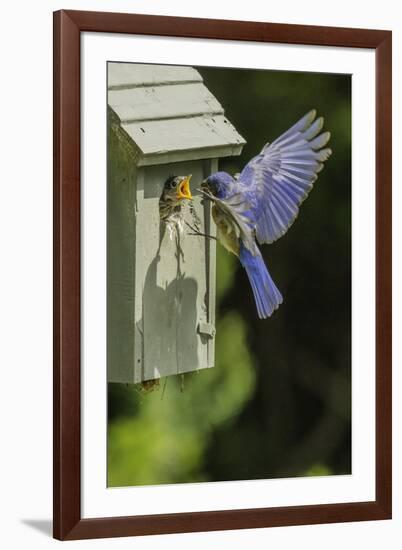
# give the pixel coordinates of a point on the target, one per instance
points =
(277, 181)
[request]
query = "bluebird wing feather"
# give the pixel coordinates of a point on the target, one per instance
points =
(238, 210)
(278, 180)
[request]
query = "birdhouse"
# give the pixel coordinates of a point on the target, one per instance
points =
(162, 121)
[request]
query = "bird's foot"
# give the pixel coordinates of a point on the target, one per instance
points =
(197, 233)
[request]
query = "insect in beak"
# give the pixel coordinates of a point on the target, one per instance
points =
(183, 190)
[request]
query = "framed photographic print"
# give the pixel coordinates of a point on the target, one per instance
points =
(222, 232)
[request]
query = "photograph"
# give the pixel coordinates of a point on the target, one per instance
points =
(199, 276)
(228, 274)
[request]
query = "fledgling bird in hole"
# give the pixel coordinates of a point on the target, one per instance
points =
(262, 202)
(176, 189)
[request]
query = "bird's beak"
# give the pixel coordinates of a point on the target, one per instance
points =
(183, 190)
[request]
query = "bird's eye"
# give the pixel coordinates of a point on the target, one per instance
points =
(171, 182)
(211, 184)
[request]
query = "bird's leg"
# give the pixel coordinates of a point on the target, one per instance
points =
(197, 233)
(202, 235)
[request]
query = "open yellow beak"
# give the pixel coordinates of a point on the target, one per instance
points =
(183, 190)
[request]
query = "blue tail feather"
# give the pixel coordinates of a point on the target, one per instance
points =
(267, 296)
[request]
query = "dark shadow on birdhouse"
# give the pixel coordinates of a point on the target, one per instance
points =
(169, 321)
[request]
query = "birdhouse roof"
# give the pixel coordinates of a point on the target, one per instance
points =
(169, 114)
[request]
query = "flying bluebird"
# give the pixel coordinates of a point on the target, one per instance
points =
(262, 202)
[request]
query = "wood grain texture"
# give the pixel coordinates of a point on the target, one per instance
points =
(157, 296)
(222, 29)
(67, 514)
(67, 345)
(121, 269)
(121, 76)
(193, 135)
(384, 274)
(163, 102)
(172, 283)
(169, 113)
(223, 520)
(161, 296)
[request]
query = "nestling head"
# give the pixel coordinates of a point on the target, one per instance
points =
(177, 188)
(218, 184)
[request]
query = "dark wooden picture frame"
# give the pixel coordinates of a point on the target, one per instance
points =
(68, 26)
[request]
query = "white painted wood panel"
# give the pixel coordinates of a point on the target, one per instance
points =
(162, 102)
(160, 137)
(172, 284)
(130, 75)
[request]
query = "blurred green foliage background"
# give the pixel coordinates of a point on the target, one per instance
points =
(278, 402)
